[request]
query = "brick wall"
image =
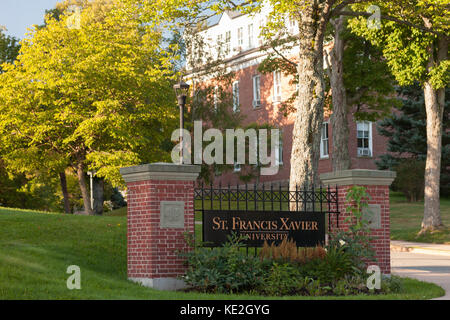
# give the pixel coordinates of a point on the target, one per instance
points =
(152, 252)
(153, 248)
(377, 184)
(381, 236)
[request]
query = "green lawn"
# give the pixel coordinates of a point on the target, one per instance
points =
(406, 219)
(36, 249)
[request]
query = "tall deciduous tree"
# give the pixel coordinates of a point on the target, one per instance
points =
(407, 134)
(313, 18)
(358, 76)
(340, 156)
(418, 51)
(96, 96)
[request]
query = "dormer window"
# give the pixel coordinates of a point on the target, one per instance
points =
(240, 37)
(227, 42)
(250, 36)
(219, 44)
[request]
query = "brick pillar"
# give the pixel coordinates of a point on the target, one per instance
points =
(377, 185)
(160, 212)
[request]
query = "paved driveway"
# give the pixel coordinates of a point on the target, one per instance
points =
(426, 267)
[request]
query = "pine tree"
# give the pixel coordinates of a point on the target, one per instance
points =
(408, 138)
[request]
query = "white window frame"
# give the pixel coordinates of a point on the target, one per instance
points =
(236, 102)
(279, 151)
(227, 42)
(220, 44)
(292, 26)
(240, 37)
(256, 80)
(367, 151)
(262, 25)
(323, 140)
(251, 40)
(277, 86)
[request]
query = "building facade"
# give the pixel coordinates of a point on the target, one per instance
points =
(259, 98)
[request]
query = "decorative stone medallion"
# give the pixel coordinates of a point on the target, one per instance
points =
(373, 215)
(172, 214)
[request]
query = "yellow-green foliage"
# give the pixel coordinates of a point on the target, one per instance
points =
(97, 93)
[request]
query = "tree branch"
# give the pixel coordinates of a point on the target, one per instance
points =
(283, 57)
(343, 4)
(385, 17)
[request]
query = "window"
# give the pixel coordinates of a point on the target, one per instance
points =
(236, 96)
(237, 167)
(256, 91)
(293, 26)
(364, 138)
(240, 36)
(324, 152)
(276, 86)
(227, 42)
(279, 152)
(262, 26)
(219, 44)
(250, 36)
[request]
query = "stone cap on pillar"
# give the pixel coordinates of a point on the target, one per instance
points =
(358, 177)
(161, 171)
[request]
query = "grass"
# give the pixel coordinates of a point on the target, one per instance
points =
(406, 218)
(36, 248)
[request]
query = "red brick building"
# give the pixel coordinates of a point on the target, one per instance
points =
(259, 98)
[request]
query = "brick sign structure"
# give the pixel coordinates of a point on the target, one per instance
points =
(377, 185)
(160, 212)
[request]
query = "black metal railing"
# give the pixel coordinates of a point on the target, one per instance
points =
(267, 198)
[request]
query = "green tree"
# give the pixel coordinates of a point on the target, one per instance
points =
(418, 51)
(9, 48)
(96, 97)
(356, 73)
(407, 134)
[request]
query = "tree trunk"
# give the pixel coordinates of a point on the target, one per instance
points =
(63, 181)
(98, 196)
(434, 105)
(84, 189)
(340, 158)
(309, 116)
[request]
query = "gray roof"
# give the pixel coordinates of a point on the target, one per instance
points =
(231, 14)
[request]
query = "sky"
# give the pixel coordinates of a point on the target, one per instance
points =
(18, 15)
